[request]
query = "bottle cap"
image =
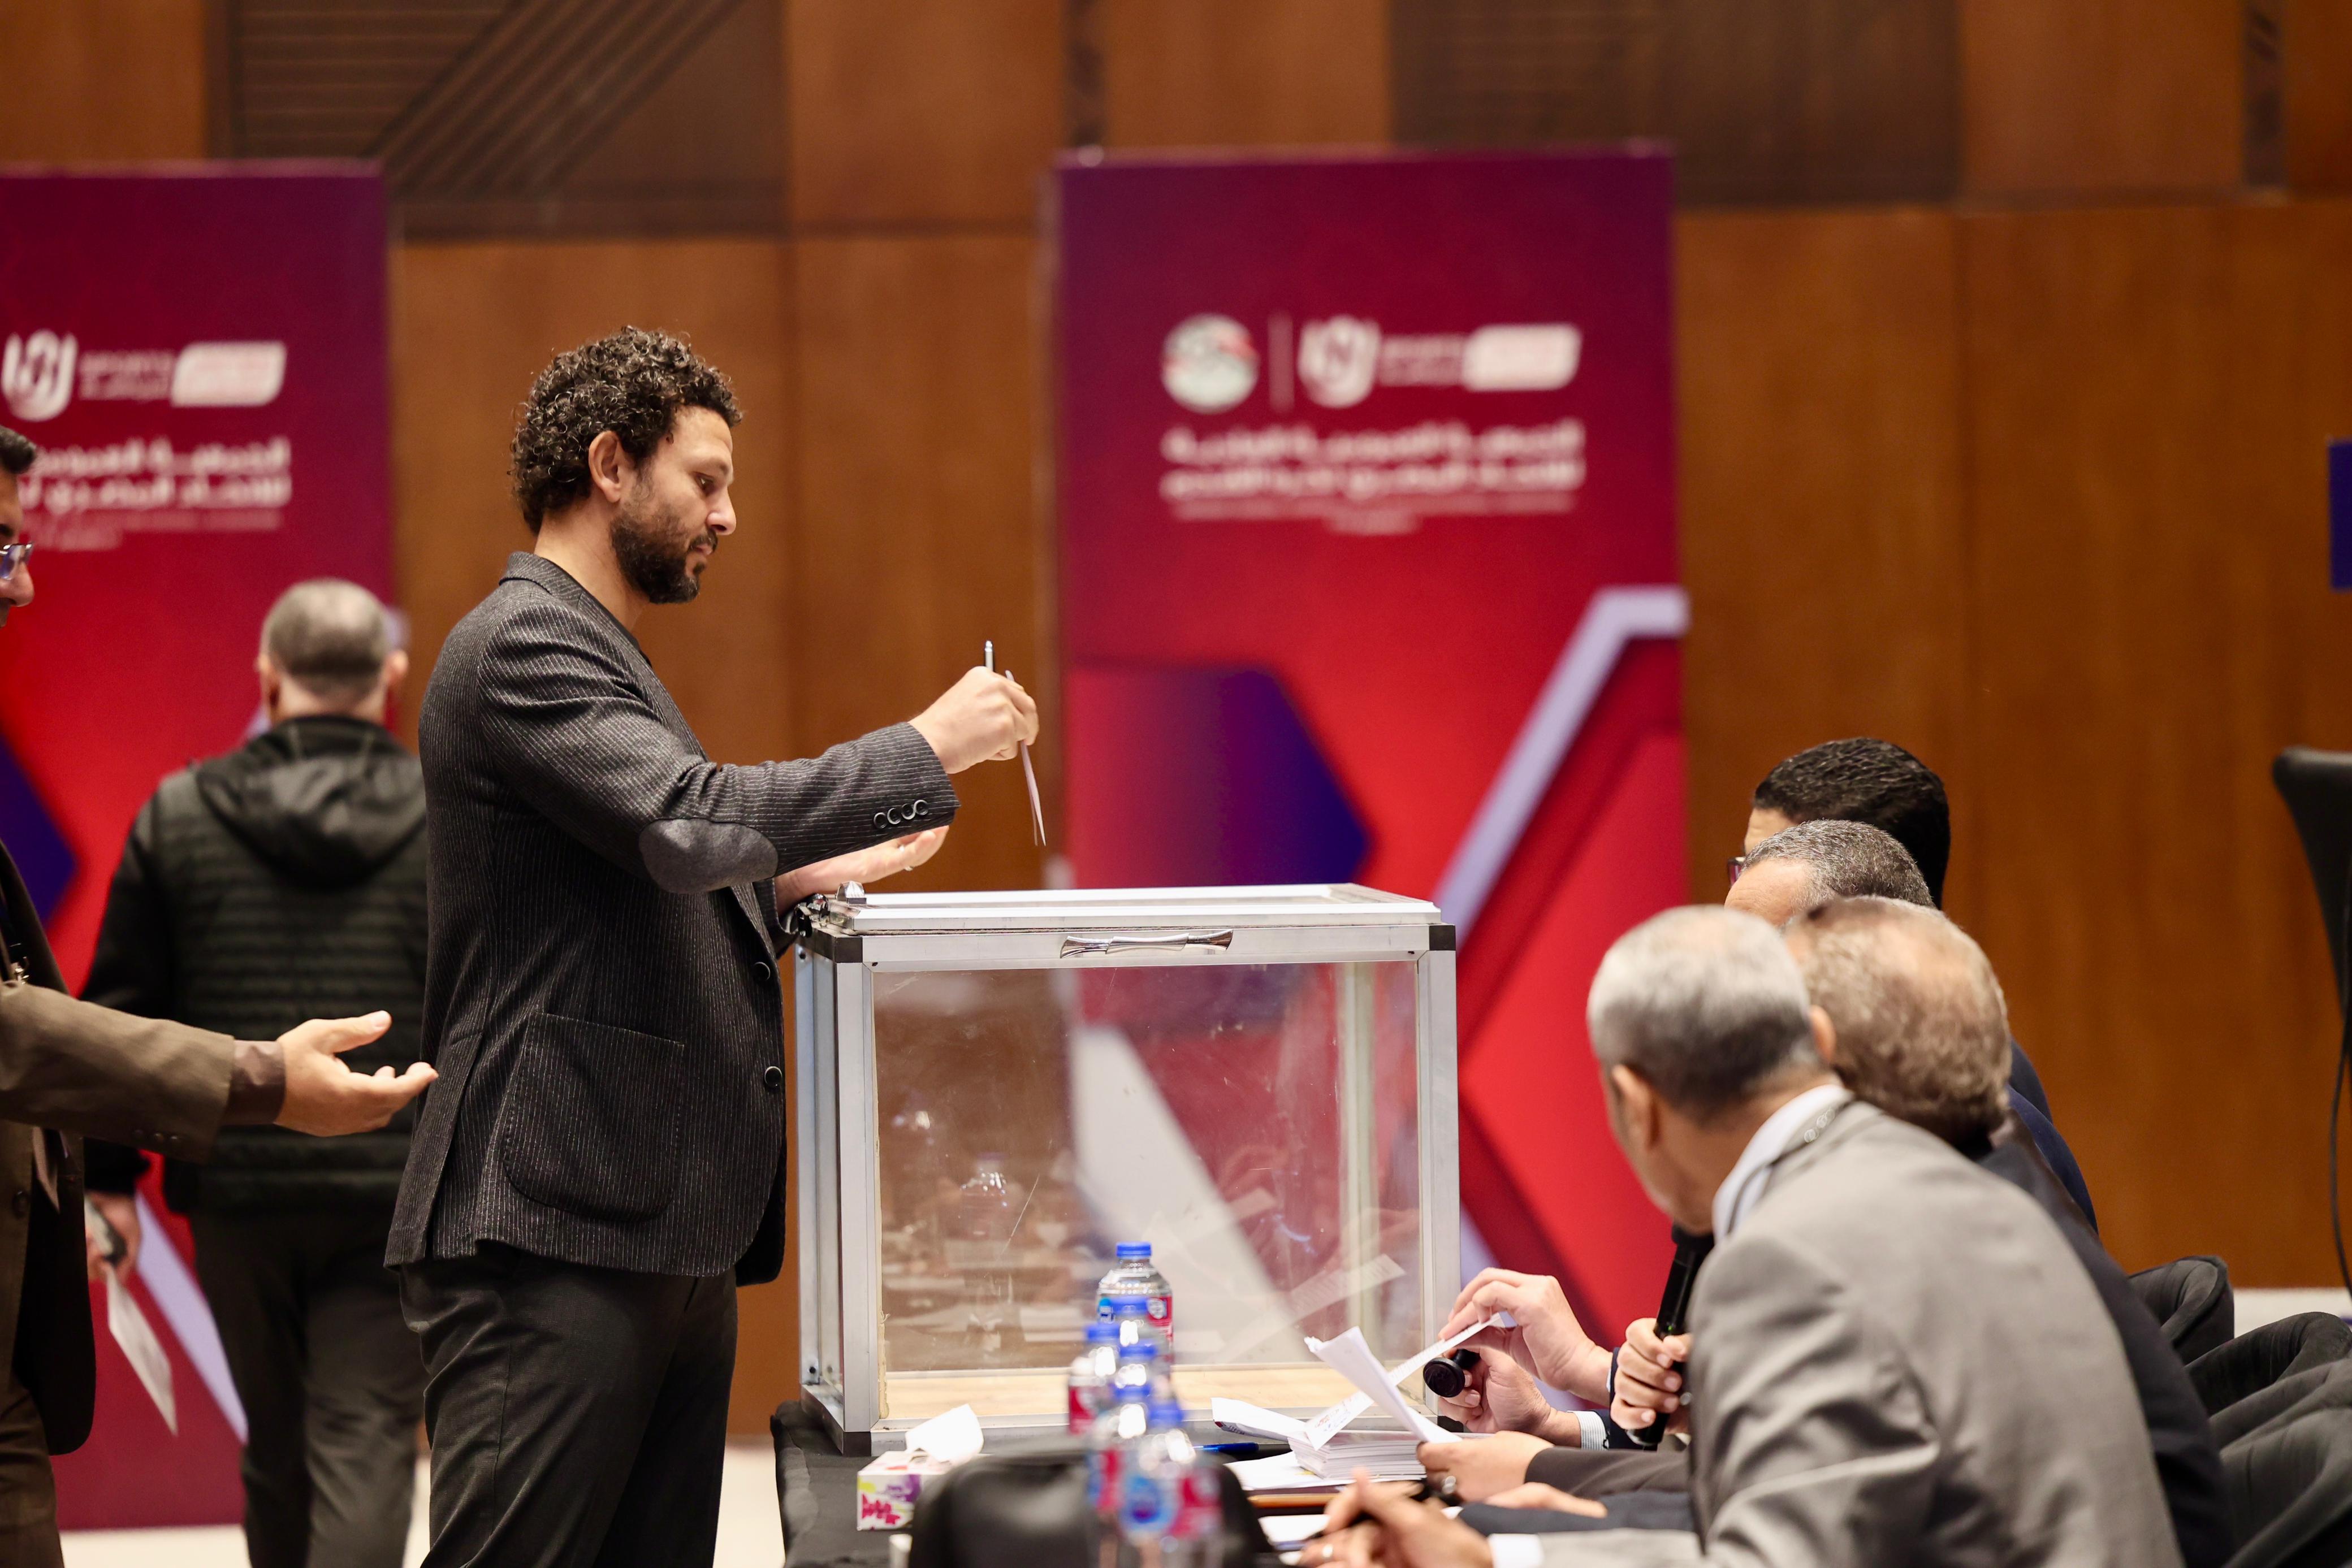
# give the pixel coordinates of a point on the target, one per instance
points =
(1101, 1333)
(1135, 1251)
(1137, 1350)
(1167, 1413)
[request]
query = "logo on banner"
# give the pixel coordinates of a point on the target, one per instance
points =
(1338, 359)
(1209, 363)
(36, 375)
(42, 373)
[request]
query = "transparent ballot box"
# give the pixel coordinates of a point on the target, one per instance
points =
(997, 1089)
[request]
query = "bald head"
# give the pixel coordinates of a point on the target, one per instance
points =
(326, 648)
(1921, 1029)
(1800, 869)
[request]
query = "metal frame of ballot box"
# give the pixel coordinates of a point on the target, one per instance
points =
(849, 946)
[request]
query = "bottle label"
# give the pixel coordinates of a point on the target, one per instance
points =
(1102, 1481)
(1085, 1404)
(1146, 1505)
(1162, 1312)
(1202, 1515)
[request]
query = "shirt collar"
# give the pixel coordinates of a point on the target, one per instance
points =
(1745, 1186)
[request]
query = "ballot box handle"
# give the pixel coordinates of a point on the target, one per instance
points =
(1176, 942)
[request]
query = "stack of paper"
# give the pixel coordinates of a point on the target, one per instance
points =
(1390, 1455)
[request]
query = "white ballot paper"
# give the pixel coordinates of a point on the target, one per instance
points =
(1323, 1428)
(1352, 1359)
(141, 1347)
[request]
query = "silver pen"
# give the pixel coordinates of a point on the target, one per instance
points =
(1028, 770)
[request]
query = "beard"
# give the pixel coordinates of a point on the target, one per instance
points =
(651, 546)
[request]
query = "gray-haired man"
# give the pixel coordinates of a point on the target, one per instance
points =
(1798, 870)
(282, 880)
(1919, 1029)
(1894, 1358)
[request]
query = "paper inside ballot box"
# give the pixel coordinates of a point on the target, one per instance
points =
(890, 1487)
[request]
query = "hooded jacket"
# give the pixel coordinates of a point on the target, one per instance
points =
(283, 882)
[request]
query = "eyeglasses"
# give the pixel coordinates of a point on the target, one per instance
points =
(14, 555)
(1734, 866)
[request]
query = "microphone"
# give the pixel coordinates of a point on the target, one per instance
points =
(1673, 1311)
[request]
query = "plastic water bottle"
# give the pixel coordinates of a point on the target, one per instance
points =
(1110, 1442)
(1130, 1322)
(985, 1213)
(1133, 1275)
(1090, 1376)
(1141, 1366)
(1169, 1510)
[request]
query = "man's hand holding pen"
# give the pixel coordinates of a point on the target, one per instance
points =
(983, 718)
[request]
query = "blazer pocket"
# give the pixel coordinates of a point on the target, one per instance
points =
(592, 1119)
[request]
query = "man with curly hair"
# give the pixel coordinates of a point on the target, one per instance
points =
(605, 1163)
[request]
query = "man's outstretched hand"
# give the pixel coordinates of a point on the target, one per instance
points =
(325, 1097)
(861, 866)
(983, 718)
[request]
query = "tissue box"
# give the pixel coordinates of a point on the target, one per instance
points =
(889, 1489)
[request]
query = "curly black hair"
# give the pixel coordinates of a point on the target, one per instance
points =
(632, 384)
(16, 454)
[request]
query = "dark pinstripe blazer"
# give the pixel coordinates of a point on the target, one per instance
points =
(600, 991)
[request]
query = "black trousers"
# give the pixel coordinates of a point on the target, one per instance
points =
(578, 1415)
(330, 1378)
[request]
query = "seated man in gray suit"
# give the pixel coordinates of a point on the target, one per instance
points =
(1917, 1026)
(1894, 1358)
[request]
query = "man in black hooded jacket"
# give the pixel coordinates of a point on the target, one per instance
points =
(285, 880)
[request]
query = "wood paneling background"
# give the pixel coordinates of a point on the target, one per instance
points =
(102, 80)
(1245, 73)
(2032, 482)
(2151, 391)
(921, 112)
(2061, 97)
(1822, 503)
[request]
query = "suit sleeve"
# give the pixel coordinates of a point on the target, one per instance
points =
(571, 732)
(80, 1068)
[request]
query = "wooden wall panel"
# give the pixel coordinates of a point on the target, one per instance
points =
(916, 430)
(1231, 73)
(2316, 49)
(1818, 367)
(472, 324)
(921, 111)
(2150, 394)
(102, 80)
(2093, 96)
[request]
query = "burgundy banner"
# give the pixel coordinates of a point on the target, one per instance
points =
(1366, 499)
(200, 354)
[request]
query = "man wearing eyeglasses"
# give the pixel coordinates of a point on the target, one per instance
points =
(67, 1069)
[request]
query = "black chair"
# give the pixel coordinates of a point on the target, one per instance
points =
(2291, 1494)
(2284, 1403)
(2317, 789)
(2260, 1357)
(2190, 1297)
